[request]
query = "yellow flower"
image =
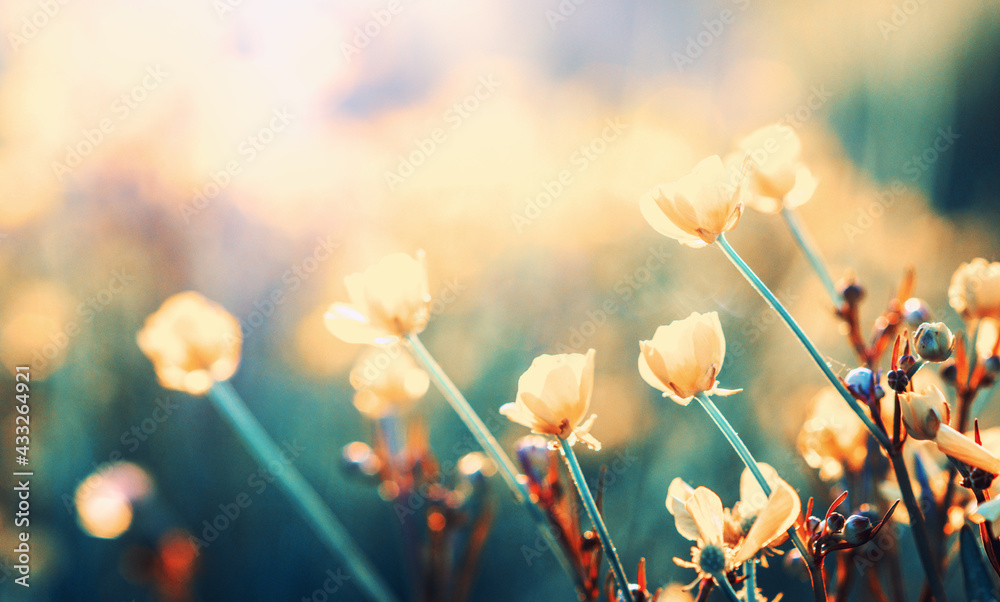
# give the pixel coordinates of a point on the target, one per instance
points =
(192, 343)
(388, 301)
(387, 381)
(924, 411)
(777, 176)
(683, 358)
(553, 397)
(975, 289)
(697, 208)
(832, 437)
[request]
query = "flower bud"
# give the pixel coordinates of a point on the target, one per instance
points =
(857, 529)
(897, 380)
(934, 341)
(923, 412)
(835, 522)
(852, 293)
(860, 380)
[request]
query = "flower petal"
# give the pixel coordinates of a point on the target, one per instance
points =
(780, 513)
(705, 509)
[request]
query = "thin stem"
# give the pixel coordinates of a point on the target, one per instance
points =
(741, 449)
(768, 296)
(818, 581)
(811, 252)
(595, 517)
(727, 587)
(750, 570)
(472, 421)
(333, 534)
(917, 525)
(489, 444)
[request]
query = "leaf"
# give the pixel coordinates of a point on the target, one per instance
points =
(978, 584)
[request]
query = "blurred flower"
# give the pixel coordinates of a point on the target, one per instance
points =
(683, 358)
(387, 381)
(975, 289)
(777, 178)
(934, 341)
(104, 500)
(697, 208)
(553, 396)
(924, 411)
(988, 337)
(389, 300)
(192, 342)
(832, 438)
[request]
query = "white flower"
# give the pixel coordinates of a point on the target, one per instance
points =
(975, 289)
(697, 208)
(553, 397)
(387, 302)
(192, 343)
(387, 381)
(777, 176)
(683, 358)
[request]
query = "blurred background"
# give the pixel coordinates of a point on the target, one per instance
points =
(246, 147)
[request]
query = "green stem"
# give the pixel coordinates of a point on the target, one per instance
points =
(768, 296)
(489, 444)
(333, 534)
(727, 587)
(750, 570)
(595, 517)
(811, 252)
(917, 526)
(741, 449)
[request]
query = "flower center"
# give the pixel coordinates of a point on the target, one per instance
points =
(712, 559)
